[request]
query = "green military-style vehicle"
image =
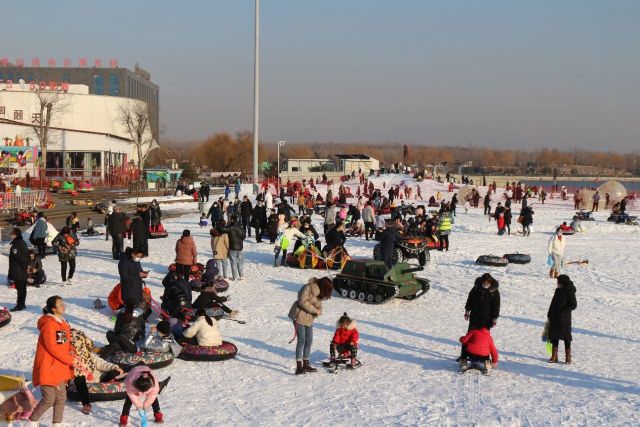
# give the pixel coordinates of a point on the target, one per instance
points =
(371, 283)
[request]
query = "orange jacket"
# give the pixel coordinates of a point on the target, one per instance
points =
(186, 253)
(53, 362)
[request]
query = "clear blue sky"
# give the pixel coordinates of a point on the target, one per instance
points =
(506, 73)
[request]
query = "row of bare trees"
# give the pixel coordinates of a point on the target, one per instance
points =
(226, 152)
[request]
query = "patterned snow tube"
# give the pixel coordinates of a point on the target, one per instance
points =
(518, 258)
(5, 317)
(492, 260)
(215, 312)
(209, 354)
(158, 234)
(99, 392)
(220, 285)
(569, 232)
(128, 361)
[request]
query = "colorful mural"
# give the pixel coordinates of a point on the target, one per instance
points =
(13, 156)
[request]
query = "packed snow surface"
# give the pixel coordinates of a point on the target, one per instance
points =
(408, 348)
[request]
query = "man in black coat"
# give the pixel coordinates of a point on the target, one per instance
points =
(18, 263)
(131, 275)
(483, 303)
(117, 228)
(215, 213)
(140, 235)
(259, 220)
(236, 256)
(388, 243)
(559, 315)
(245, 214)
(335, 238)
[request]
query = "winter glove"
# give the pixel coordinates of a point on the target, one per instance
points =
(466, 315)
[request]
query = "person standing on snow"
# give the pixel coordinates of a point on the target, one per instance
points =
(556, 250)
(559, 317)
(18, 263)
(186, 255)
(303, 312)
(483, 303)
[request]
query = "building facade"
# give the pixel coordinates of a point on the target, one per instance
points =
(112, 81)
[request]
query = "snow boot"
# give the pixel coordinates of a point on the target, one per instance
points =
(307, 367)
(486, 369)
(554, 355)
(463, 367)
(275, 262)
(124, 420)
(158, 418)
(299, 368)
(86, 409)
(567, 356)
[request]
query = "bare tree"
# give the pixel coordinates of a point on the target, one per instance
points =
(137, 120)
(50, 106)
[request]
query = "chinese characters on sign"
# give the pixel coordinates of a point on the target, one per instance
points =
(17, 114)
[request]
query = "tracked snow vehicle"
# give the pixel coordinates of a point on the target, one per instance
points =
(371, 283)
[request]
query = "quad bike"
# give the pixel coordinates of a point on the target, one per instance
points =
(409, 247)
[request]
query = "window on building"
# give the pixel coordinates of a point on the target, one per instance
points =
(114, 83)
(99, 85)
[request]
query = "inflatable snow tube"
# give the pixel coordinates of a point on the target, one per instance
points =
(220, 285)
(99, 392)
(492, 260)
(158, 234)
(215, 312)
(128, 361)
(209, 354)
(5, 317)
(568, 232)
(517, 258)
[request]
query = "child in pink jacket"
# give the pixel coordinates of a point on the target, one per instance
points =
(142, 392)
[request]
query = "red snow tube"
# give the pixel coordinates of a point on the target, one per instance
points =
(158, 233)
(5, 317)
(220, 285)
(209, 354)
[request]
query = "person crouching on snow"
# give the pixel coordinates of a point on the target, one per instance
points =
(141, 383)
(478, 345)
(345, 339)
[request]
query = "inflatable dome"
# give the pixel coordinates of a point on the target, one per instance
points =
(586, 199)
(616, 192)
(464, 193)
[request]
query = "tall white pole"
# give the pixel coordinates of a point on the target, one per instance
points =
(256, 97)
(278, 172)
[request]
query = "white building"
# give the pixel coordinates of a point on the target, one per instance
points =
(87, 141)
(357, 162)
(305, 165)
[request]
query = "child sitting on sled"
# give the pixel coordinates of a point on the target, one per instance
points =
(203, 221)
(478, 346)
(345, 340)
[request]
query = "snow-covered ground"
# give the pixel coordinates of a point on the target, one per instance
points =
(408, 348)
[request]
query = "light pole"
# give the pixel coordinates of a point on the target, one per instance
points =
(256, 97)
(280, 144)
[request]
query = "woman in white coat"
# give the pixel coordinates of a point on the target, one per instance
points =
(556, 252)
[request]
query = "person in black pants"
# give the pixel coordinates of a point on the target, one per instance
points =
(66, 244)
(140, 235)
(18, 263)
(117, 228)
(387, 246)
(245, 213)
(259, 220)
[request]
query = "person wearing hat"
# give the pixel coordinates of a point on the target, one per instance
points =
(559, 317)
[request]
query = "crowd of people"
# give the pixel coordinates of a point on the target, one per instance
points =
(67, 355)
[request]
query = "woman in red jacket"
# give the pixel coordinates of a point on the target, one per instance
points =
(478, 346)
(345, 340)
(53, 365)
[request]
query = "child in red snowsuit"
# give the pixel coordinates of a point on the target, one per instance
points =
(478, 345)
(345, 339)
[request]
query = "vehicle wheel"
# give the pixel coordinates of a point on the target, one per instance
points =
(377, 253)
(361, 296)
(397, 256)
(353, 294)
(378, 298)
(344, 293)
(422, 259)
(370, 298)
